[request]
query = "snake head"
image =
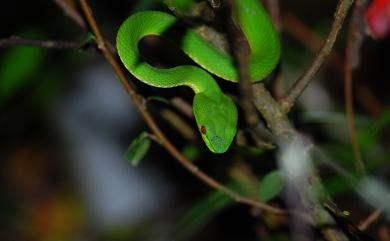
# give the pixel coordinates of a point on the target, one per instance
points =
(216, 118)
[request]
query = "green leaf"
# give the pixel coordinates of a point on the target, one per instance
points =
(138, 148)
(191, 152)
(88, 39)
(17, 67)
(271, 185)
(49, 87)
(337, 185)
(382, 121)
(203, 211)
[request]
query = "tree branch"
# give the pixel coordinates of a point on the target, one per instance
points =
(307, 184)
(273, 8)
(354, 41)
(16, 40)
(301, 84)
(363, 225)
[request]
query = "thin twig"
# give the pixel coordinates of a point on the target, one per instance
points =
(354, 41)
(312, 41)
(383, 233)
(163, 140)
(16, 40)
(309, 38)
(363, 225)
(183, 106)
(301, 84)
(273, 9)
(71, 11)
(179, 124)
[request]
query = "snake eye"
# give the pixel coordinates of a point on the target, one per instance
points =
(203, 130)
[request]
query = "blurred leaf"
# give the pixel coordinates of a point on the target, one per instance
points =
(271, 185)
(322, 27)
(337, 185)
(202, 211)
(126, 232)
(138, 148)
(190, 152)
(383, 120)
(250, 151)
(328, 117)
(294, 56)
(331, 117)
(144, 5)
(18, 65)
(48, 88)
(158, 98)
(280, 237)
(247, 184)
(340, 152)
(367, 139)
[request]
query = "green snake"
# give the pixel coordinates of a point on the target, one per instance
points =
(215, 113)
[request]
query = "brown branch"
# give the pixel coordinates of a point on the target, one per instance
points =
(163, 140)
(354, 41)
(363, 225)
(183, 106)
(301, 84)
(273, 9)
(16, 40)
(275, 118)
(71, 11)
(175, 121)
(383, 233)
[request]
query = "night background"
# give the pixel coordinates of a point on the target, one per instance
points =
(78, 161)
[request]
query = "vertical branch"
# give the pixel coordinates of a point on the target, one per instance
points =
(273, 7)
(294, 160)
(354, 42)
